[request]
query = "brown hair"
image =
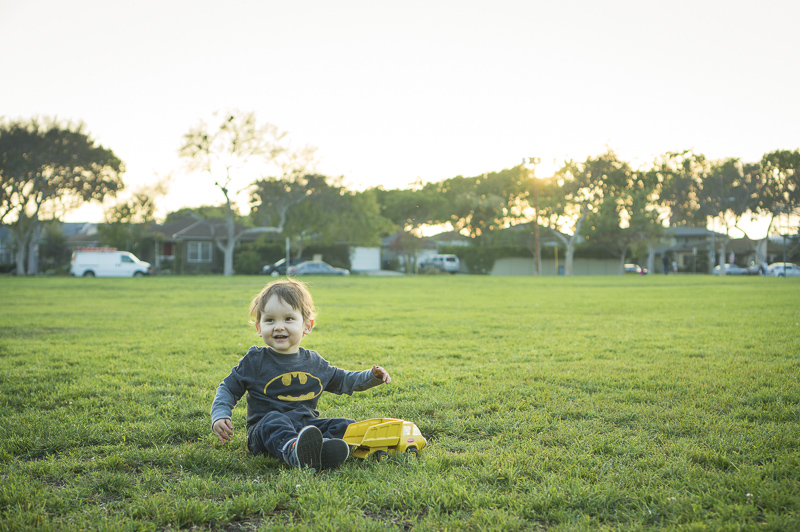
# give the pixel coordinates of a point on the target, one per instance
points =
(293, 292)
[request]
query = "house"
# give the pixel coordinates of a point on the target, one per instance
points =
(432, 245)
(404, 247)
(783, 248)
(81, 234)
(186, 245)
(690, 247)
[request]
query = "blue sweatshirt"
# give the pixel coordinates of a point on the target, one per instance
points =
(290, 384)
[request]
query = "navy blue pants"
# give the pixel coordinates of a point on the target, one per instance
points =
(273, 431)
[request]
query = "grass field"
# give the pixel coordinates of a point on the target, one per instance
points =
(590, 403)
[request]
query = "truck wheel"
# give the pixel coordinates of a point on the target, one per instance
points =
(413, 451)
(88, 273)
(380, 456)
(138, 274)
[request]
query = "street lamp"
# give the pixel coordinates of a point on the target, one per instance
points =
(531, 163)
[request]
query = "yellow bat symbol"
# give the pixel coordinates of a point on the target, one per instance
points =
(296, 378)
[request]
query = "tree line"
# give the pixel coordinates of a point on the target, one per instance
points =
(48, 167)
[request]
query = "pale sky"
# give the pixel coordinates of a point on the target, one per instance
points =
(390, 92)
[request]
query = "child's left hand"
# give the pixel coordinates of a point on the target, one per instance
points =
(381, 374)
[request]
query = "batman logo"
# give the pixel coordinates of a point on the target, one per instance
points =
(294, 386)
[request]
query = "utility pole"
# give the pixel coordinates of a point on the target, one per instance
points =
(531, 163)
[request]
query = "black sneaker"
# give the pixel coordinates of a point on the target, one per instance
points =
(305, 450)
(334, 453)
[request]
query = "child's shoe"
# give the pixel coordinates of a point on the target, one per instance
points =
(334, 453)
(305, 449)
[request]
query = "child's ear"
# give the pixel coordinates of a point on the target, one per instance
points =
(258, 328)
(307, 326)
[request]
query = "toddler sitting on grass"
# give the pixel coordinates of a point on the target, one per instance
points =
(284, 381)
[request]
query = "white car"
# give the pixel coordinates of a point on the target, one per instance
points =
(783, 269)
(440, 263)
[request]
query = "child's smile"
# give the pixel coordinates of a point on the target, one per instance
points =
(282, 327)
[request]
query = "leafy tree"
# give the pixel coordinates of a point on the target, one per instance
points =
(680, 176)
(54, 253)
(413, 207)
(730, 193)
(128, 222)
(206, 212)
(689, 197)
(696, 190)
(47, 168)
(627, 215)
(410, 209)
(781, 194)
(327, 214)
(484, 203)
(574, 191)
(225, 148)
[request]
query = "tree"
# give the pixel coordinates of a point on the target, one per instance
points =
(781, 195)
(731, 192)
(54, 253)
(206, 212)
(46, 168)
(412, 208)
(224, 149)
(483, 203)
(327, 214)
(128, 222)
(627, 215)
(574, 191)
(680, 176)
(686, 193)
(697, 191)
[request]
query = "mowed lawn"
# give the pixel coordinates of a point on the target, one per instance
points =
(587, 403)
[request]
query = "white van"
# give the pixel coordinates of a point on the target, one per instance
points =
(442, 263)
(107, 262)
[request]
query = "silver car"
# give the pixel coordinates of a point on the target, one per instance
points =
(316, 267)
(730, 269)
(783, 269)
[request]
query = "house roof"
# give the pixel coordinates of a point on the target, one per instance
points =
(528, 227)
(682, 231)
(194, 229)
(69, 229)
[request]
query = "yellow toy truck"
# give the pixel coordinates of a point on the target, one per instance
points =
(382, 436)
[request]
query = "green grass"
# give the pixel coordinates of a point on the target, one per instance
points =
(631, 403)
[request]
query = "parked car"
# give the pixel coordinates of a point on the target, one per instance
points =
(635, 268)
(316, 267)
(279, 268)
(756, 269)
(107, 262)
(783, 269)
(441, 263)
(730, 269)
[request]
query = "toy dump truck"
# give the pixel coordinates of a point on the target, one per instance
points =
(380, 437)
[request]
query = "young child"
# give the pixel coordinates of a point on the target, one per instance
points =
(284, 381)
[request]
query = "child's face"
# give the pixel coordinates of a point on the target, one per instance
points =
(282, 327)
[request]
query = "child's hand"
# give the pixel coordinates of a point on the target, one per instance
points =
(223, 428)
(381, 374)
